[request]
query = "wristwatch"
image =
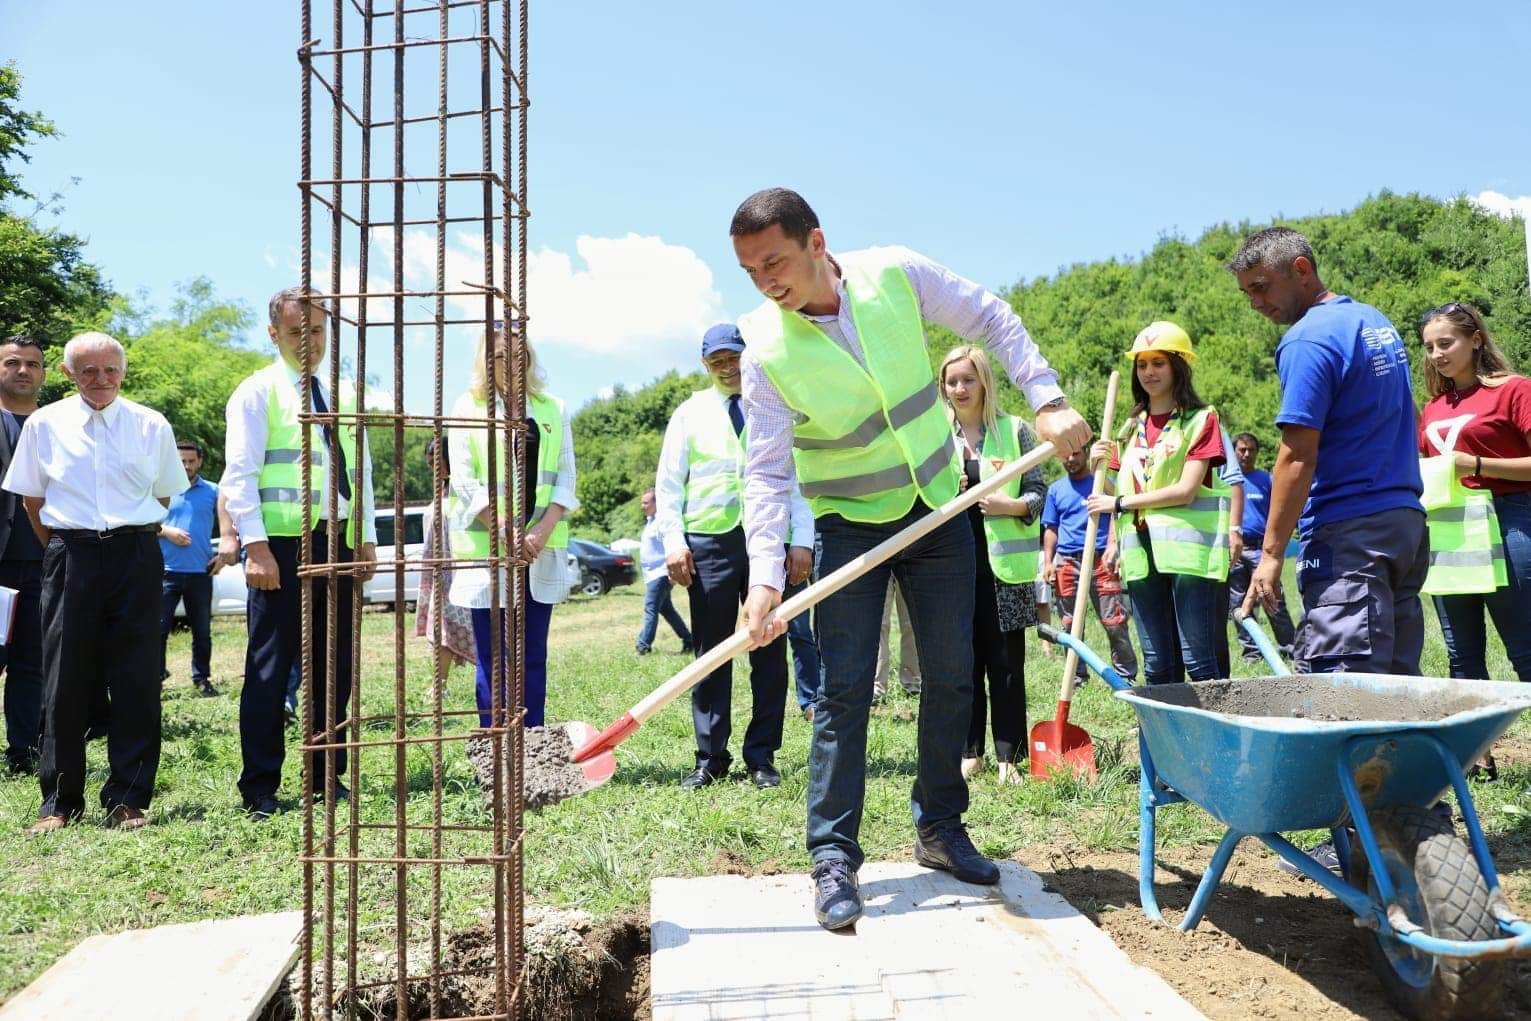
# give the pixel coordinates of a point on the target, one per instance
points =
(1056, 402)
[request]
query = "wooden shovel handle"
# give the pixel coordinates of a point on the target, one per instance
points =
(1087, 562)
(820, 590)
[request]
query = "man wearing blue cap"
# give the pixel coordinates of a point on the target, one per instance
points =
(699, 495)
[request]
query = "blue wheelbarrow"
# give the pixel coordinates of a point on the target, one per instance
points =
(1367, 757)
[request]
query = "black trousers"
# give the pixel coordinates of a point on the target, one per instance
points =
(195, 588)
(717, 591)
(275, 628)
(1001, 657)
(22, 660)
(99, 611)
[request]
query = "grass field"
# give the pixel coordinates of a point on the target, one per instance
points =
(203, 858)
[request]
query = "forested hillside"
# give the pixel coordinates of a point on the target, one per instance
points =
(1403, 253)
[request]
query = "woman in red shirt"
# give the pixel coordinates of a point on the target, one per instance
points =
(1480, 411)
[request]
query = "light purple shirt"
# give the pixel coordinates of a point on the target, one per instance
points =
(946, 299)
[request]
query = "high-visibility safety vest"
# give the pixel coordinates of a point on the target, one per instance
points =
(869, 440)
(1191, 539)
(1466, 546)
(1014, 545)
(714, 497)
(470, 539)
(280, 481)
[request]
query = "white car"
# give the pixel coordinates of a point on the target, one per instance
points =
(380, 590)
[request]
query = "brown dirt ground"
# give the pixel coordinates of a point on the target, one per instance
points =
(1270, 946)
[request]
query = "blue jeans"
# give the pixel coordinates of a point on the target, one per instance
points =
(807, 670)
(936, 577)
(657, 603)
(195, 589)
(1181, 621)
(1509, 607)
(538, 617)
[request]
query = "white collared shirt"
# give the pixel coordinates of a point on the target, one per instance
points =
(674, 471)
(245, 453)
(97, 469)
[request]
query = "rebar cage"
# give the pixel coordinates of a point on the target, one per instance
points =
(414, 246)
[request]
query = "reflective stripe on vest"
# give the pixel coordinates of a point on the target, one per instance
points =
(869, 439)
(1014, 545)
(471, 538)
(1466, 546)
(280, 481)
(1192, 539)
(713, 502)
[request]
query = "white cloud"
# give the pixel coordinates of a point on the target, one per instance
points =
(1503, 205)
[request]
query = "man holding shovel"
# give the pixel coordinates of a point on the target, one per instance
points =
(840, 397)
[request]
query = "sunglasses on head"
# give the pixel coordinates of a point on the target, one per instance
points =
(1450, 308)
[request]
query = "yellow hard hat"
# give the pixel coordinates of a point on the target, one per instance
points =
(1162, 336)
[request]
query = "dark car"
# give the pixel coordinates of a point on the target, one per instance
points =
(601, 569)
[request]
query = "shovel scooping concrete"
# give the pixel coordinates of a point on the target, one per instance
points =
(594, 756)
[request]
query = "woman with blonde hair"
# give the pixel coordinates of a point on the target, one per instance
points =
(1478, 417)
(1007, 536)
(548, 468)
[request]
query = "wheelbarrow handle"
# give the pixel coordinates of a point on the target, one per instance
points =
(1268, 650)
(1086, 655)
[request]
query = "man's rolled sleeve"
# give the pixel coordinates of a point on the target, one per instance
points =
(770, 477)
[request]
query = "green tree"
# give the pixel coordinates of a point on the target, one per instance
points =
(47, 288)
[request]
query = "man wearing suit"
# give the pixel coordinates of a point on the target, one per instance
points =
(22, 372)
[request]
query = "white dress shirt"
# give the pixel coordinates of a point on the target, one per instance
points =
(245, 454)
(97, 469)
(651, 555)
(946, 299)
(674, 470)
(548, 575)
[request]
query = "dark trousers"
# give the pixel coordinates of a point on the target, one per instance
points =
(657, 602)
(1001, 657)
(1239, 574)
(22, 659)
(486, 624)
(275, 621)
(717, 591)
(936, 577)
(98, 610)
(196, 589)
(1508, 606)
(807, 670)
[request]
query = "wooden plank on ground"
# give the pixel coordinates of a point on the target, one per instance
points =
(222, 970)
(733, 947)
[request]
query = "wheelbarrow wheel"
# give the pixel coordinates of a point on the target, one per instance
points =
(1440, 887)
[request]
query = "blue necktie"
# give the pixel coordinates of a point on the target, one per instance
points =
(337, 456)
(736, 414)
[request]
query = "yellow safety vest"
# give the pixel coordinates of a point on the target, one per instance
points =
(471, 538)
(1190, 540)
(1466, 546)
(1014, 545)
(281, 475)
(869, 440)
(714, 496)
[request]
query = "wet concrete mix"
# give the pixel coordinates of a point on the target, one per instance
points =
(547, 776)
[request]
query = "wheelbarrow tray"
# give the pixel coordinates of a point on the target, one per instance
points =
(1260, 754)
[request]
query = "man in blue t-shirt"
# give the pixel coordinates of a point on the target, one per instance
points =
(1064, 520)
(185, 540)
(1348, 465)
(1257, 495)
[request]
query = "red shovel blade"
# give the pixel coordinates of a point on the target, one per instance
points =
(596, 768)
(1059, 745)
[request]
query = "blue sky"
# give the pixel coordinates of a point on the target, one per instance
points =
(1004, 139)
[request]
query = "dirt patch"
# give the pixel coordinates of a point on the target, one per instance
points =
(577, 969)
(729, 863)
(1270, 946)
(1312, 698)
(548, 775)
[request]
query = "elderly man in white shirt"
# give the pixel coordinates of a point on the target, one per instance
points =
(700, 494)
(263, 480)
(95, 472)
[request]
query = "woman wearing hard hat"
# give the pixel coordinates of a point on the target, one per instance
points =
(1475, 435)
(1170, 534)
